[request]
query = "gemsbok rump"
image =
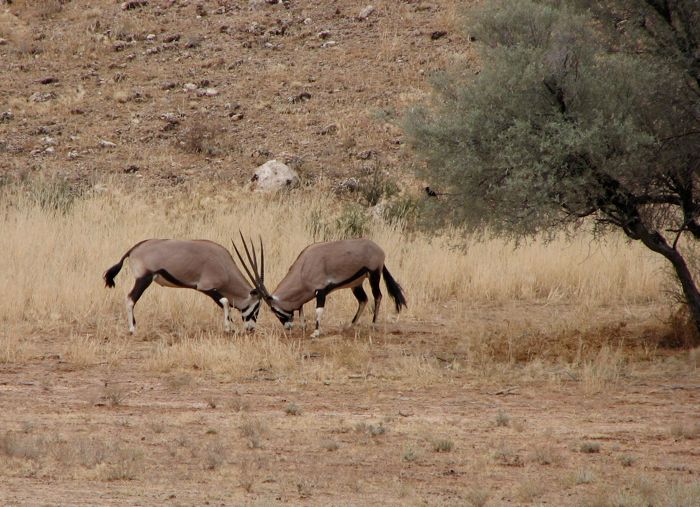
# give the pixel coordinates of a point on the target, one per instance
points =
(193, 264)
(320, 269)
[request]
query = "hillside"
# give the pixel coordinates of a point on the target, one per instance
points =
(175, 90)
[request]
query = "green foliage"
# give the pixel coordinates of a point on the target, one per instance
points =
(553, 121)
(376, 187)
(575, 113)
(353, 222)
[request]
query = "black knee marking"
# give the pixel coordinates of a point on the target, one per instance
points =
(362, 299)
(140, 285)
(360, 294)
(321, 298)
(214, 294)
(374, 278)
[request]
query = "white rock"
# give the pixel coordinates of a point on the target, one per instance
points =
(72, 155)
(365, 13)
(190, 87)
(273, 175)
(107, 144)
(151, 36)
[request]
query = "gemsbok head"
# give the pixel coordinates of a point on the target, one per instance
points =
(193, 264)
(320, 269)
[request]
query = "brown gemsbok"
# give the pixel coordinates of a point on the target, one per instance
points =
(194, 264)
(320, 269)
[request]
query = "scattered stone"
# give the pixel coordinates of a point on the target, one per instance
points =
(42, 96)
(328, 129)
(302, 97)
(151, 37)
(49, 141)
(172, 38)
(72, 155)
(133, 4)
(236, 116)
(438, 34)
(3, 41)
(132, 169)
(120, 45)
(190, 87)
(293, 161)
(194, 42)
(366, 12)
(106, 144)
(273, 175)
(207, 92)
(48, 80)
(324, 34)
(200, 10)
(168, 86)
(366, 154)
(233, 106)
(6, 116)
(329, 44)
(347, 185)
(308, 21)
(50, 150)
(170, 118)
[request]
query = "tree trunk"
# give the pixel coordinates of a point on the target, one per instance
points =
(655, 242)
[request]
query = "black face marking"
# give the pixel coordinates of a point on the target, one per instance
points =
(253, 314)
(212, 293)
(282, 315)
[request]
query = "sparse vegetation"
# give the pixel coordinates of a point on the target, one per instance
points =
(590, 447)
(502, 419)
(292, 409)
(442, 445)
(155, 132)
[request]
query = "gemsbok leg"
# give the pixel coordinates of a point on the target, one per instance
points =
(374, 277)
(362, 299)
(140, 285)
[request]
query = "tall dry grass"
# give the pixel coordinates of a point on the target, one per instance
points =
(57, 243)
(53, 259)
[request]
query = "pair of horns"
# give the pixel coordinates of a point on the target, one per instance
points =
(257, 277)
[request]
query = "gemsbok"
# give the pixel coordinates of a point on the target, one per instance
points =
(320, 269)
(193, 264)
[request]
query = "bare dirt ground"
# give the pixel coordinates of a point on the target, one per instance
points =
(120, 433)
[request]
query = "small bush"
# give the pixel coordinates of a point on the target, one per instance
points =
(292, 409)
(329, 445)
(443, 445)
(376, 187)
(410, 455)
(502, 419)
(590, 447)
(353, 222)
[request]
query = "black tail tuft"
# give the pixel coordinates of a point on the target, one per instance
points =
(395, 290)
(111, 273)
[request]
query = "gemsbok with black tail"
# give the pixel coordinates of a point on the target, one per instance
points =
(320, 269)
(193, 264)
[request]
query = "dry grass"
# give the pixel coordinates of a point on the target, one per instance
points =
(451, 275)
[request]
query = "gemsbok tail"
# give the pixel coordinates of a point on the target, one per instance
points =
(109, 275)
(394, 289)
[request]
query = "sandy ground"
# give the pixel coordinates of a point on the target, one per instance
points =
(122, 434)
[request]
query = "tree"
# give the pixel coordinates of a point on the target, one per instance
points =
(574, 114)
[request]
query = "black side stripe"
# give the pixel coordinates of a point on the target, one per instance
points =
(332, 286)
(170, 278)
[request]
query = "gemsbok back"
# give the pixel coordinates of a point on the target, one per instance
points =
(193, 264)
(320, 269)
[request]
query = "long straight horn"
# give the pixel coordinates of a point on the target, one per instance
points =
(262, 261)
(258, 280)
(245, 266)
